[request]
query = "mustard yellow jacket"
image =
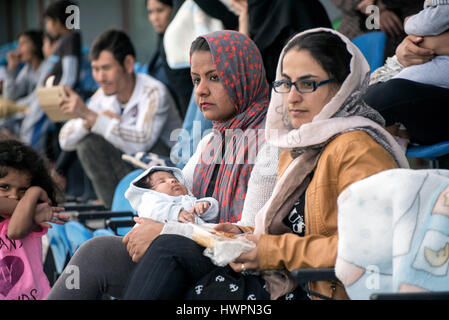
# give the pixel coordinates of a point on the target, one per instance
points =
(350, 157)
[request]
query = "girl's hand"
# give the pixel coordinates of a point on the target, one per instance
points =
(201, 207)
(247, 260)
(41, 194)
(45, 213)
(228, 227)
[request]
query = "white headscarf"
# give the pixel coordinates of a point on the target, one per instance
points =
(346, 111)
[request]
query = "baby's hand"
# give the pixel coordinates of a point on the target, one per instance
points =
(200, 207)
(186, 216)
(46, 213)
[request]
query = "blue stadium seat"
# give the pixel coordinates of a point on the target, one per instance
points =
(431, 152)
(372, 45)
(65, 240)
(140, 68)
(87, 84)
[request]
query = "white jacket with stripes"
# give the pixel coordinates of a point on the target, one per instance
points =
(149, 114)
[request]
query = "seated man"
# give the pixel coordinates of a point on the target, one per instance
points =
(129, 113)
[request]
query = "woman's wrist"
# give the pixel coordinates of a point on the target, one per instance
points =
(244, 24)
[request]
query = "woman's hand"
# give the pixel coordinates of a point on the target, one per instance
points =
(241, 9)
(139, 238)
(438, 44)
(410, 53)
(247, 260)
(13, 60)
(228, 227)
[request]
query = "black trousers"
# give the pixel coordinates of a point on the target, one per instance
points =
(175, 268)
(171, 265)
(421, 108)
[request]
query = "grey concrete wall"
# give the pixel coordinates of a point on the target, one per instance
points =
(99, 15)
(95, 17)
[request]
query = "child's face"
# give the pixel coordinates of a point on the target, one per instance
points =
(48, 47)
(14, 184)
(165, 182)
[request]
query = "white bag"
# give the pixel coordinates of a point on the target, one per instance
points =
(189, 23)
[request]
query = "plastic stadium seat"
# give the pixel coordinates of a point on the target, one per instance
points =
(372, 45)
(87, 84)
(64, 240)
(431, 152)
(140, 68)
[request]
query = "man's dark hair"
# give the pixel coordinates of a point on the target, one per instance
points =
(57, 11)
(114, 41)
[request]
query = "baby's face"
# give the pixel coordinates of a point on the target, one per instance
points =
(165, 182)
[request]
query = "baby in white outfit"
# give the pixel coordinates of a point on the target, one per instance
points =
(159, 193)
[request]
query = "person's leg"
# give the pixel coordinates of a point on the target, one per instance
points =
(419, 107)
(100, 266)
(170, 266)
(103, 164)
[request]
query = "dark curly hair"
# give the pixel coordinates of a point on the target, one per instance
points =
(115, 41)
(16, 155)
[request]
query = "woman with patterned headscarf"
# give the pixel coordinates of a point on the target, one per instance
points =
(231, 90)
(330, 139)
(237, 65)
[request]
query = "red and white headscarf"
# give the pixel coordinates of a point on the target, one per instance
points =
(240, 69)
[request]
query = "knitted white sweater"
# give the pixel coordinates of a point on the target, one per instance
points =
(261, 182)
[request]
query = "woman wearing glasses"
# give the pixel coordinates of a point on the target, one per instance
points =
(330, 138)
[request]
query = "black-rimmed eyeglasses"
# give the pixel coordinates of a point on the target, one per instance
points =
(303, 86)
